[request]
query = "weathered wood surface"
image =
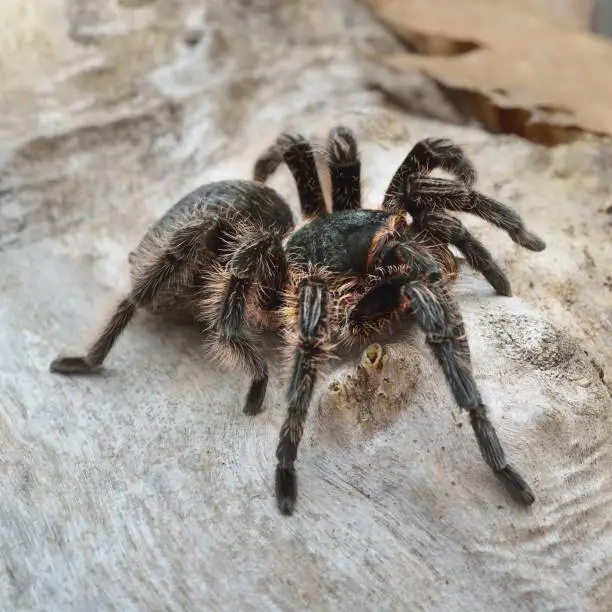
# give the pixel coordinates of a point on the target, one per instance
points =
(514, 67)
(146, 488)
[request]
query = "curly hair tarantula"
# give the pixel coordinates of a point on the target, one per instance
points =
(229, 256)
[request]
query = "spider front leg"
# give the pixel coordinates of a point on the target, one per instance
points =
(451, 231)
(150, 280)
(310, 350)
(439, 317)
(428, 194)
(259, 259)
(427, 155)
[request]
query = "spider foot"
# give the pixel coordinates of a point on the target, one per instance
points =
(528, 240)
(498, 280)
(71, 365)
(516, 485)
(286, 489)
(255, 397)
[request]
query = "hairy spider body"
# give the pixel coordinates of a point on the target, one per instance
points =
(351, 251)
(204, 220)
(229, 256)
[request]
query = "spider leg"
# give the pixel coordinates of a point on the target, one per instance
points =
(258, 259)
(439, 317)
(297, 153)
(310, 349)
(441, 320)
(450, 230)
(344, 168)
(427, 155)
(230, 341)
(151, 279)
(390, 247)
(424, 193)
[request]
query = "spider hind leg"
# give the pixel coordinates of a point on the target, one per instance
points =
(150, 280)
(231, 344)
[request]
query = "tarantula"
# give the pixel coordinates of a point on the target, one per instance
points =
(229, 256)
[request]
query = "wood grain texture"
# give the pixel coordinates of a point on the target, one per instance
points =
(146, 488)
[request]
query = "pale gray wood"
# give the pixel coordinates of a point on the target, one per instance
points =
(146, 488)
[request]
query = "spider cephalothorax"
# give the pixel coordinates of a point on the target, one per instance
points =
(229, 256)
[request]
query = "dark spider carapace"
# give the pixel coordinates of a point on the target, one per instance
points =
(229, 256)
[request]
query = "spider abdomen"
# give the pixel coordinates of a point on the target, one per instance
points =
(212, 217)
